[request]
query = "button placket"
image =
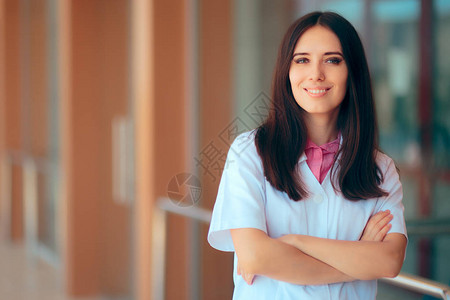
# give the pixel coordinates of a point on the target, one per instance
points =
(319, 199)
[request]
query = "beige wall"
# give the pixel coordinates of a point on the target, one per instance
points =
(98, 229)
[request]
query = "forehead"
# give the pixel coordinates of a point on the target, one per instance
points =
(318, 39)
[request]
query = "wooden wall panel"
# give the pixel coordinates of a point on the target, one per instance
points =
(13, 106)
(170, 98)
(115, 217)
(86, 117)
(98, 246)
(3, 210)
(37, 86)
(215, 105)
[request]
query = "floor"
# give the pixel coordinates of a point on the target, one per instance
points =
(24, 279)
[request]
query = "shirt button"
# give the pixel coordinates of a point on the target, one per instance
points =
(318, 198)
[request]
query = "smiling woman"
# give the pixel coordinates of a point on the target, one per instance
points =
(318, 77)
(308, 203)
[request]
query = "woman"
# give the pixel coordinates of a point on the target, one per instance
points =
(311, 207)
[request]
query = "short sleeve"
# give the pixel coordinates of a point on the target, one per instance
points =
(393, 202)
(240, 199)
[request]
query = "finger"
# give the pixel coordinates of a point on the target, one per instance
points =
(248, 278)
(379, 220)
(378, 217)
(375, 219)
(382, 234)
(375, 224)
(251, 279)
(387, 219)
(383, 222)
(380, 214)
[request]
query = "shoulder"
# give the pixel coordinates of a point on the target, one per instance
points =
(384, 162)
(243, 145)
(387, 168)
(243, 152)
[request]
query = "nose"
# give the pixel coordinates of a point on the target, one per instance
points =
(317, 72)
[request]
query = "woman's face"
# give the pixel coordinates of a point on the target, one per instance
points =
(318, 72)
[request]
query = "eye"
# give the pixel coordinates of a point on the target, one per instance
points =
(334, 60)
(301, 60)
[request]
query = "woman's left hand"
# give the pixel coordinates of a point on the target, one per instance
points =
(377, 227)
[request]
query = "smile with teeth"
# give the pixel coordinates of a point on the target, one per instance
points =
(317, 92)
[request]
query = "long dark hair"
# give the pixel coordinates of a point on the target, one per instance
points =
(281, 139)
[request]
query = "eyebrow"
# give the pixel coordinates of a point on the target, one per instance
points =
(326, 53)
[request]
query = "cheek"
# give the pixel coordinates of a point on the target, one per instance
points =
(294, 80)
(341, 80)
(291, 79)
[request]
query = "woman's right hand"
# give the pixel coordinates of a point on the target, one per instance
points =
(377, 227)
(247, 277)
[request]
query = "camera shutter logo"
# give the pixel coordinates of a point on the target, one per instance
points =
(184, 190)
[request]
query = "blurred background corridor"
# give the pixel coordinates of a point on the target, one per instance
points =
(116, 117)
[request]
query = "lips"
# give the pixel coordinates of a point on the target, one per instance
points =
(317, 92)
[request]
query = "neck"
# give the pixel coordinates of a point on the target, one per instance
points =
(321, 130)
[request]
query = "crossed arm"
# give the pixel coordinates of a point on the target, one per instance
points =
(307, 260)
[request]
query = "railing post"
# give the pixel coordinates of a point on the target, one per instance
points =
(6, 194)
(30, 205)
(159, 232)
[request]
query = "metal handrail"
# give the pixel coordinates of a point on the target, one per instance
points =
(403, 280)
(419, 284)
(192, 212)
